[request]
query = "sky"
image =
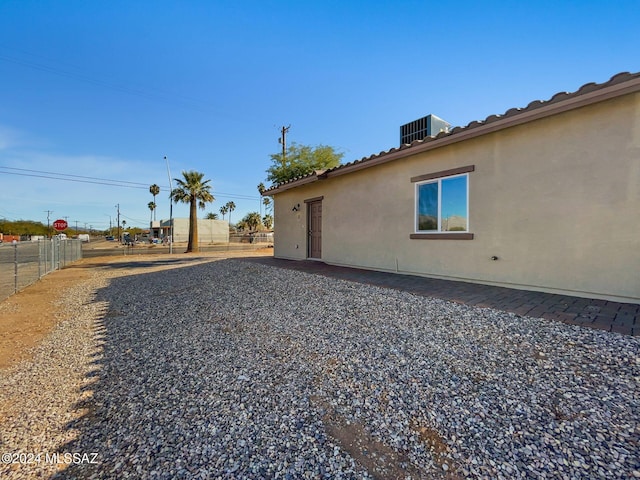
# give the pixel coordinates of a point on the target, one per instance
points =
(450, 192)
(94, 95)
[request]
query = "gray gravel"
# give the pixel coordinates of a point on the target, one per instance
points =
(231, 369)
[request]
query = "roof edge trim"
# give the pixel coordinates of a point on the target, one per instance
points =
(524, 117)
(318, 174)
(588, 94)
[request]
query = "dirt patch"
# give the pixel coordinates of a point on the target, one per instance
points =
(436, 445)
(29, 315)
(378, 459)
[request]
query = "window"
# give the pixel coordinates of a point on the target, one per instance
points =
(442, 205)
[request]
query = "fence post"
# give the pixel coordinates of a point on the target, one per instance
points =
(15, 268)
(44, 264)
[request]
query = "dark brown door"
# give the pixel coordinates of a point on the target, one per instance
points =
(314, 222)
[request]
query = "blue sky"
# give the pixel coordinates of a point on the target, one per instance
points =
(107, 89)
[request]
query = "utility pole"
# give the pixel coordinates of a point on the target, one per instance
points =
(118, 207)
(49, 212)
(283, 141)
(76, 227)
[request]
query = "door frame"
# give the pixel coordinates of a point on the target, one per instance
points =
(310, 202)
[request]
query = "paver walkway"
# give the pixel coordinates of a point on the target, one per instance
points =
(618, 317)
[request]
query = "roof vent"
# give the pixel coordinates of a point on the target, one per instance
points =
(428, 126)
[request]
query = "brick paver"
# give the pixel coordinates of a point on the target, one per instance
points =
(617, 317)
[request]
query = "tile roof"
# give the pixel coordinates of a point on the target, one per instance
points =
(617, 85)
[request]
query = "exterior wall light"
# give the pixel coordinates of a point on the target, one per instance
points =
(296, 208)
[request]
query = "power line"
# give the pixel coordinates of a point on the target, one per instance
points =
(100, 181)
(133, 219)
(74, 176)
(233, 195)
(114, 183)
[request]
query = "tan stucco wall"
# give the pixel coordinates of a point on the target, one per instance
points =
(557, 200)
(209, 231)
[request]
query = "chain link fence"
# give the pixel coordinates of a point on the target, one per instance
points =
(261, 237)
(23, 263)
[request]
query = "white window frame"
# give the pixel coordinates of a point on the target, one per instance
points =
(417, 205)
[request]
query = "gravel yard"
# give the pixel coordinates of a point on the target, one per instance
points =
(232, 369)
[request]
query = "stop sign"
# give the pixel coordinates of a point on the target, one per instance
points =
(60, 225)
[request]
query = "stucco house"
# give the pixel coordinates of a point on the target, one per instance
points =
(545, 198)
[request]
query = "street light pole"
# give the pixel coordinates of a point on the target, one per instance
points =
(170, 207)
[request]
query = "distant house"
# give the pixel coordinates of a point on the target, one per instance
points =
(544, 198)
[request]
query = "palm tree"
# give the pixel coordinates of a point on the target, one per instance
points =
(197, 193)
(154, 190)
(241, 225)
(231, 207)
(253, 220)
(266, 201)
(152, 207)
(224, 210)
(212, 216)
(124, 222)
